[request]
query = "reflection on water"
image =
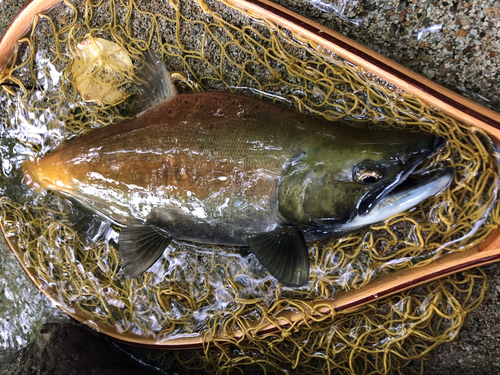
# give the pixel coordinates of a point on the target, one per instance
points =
(23, 308)
(193, 288)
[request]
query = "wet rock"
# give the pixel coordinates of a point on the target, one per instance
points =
(477, 347)
(70, 349)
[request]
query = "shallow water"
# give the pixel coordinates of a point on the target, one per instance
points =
(45, 130)
(23, 308)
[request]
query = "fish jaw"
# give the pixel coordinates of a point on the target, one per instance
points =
(404, 197)
(47, 173)
(373, 197)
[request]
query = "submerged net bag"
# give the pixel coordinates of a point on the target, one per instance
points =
(209, 290)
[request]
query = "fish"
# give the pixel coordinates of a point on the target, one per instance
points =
(228, 169)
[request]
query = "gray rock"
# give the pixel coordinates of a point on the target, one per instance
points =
(70, 349)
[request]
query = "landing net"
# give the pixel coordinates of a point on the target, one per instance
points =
(209, 290)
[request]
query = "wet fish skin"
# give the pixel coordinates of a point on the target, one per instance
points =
(220, 168)
(175, 156)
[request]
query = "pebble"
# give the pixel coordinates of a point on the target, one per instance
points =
(391, 27)
(396, 28)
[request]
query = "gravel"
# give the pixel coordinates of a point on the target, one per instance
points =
(455, 43)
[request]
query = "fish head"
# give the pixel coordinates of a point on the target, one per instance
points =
(340, 176)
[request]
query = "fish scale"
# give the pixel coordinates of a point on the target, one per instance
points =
(221, 168)
(181, 156)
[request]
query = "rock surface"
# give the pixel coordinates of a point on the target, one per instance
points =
(454, 43)
(73, 349)
(464, 58)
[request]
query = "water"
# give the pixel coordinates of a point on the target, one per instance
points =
(23, 308)
(193, 288)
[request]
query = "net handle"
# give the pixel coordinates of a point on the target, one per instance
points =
(19, 27)
(453, 104)
(449, 102)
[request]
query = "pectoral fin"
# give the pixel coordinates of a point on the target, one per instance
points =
(283, 252)
(140, 246)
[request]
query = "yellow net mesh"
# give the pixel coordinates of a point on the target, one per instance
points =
(210, 46)
(380, 338)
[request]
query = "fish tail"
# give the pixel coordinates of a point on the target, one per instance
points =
(155, 85)
(47, 173)
(28, 174)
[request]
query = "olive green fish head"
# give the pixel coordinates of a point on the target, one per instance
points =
(337, 176)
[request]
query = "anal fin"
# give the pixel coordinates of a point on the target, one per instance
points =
(283, 252)
(140, 246)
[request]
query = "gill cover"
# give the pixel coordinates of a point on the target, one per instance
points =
(339, 175)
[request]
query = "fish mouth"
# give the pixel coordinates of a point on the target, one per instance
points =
(408, 184)
(414, 190)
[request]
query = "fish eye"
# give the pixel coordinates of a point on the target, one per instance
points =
(367, 173)
(368, 177)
